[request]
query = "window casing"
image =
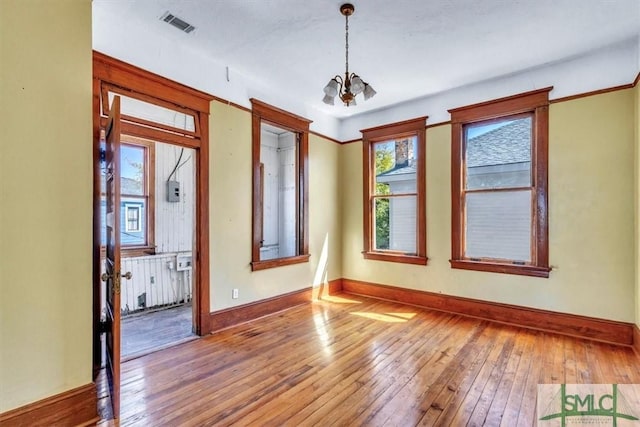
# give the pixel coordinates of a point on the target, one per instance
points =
(280, 159)
(137, 201)
(499, 180)
(394, 181)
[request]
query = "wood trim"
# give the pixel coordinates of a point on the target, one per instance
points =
(535, 105)
(134, 129)
(496, 267)
(637, 79)
(351, 141)
(108, 70)
(414, 127)
(396, 257)
(106, 88)
(230, 104)
(328, 138)
(202, 289)
(506, 106)
(594, 92)
(263, 112)
(279, 262)
(384, 131)
(435, 125)
(96, 281)
(636, 337)
(233, 316)
(279, 116)
(127, 76)
(609, 331)
(75, 407)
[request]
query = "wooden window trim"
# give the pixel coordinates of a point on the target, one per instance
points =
(537, 103)
(149, 248)
(414, 127)
(262, 112)
(106, 88)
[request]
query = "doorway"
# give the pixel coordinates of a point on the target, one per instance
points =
(157, 242)
(147, 114)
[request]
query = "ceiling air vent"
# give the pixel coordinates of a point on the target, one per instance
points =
(170, 18)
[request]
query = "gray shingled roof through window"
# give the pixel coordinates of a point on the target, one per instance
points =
(510, 143)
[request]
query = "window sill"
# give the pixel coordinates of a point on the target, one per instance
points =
(396, 257)
(133, 251)
(494, 267)
(279, 262)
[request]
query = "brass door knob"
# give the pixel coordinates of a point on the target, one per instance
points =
(105, 277)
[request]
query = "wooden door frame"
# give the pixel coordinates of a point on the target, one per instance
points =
(142, 83)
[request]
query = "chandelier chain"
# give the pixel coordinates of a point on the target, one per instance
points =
(346, 44)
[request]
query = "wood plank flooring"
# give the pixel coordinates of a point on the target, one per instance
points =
(350, 360)
(142, 333)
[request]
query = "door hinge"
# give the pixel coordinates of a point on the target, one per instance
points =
(104, 327)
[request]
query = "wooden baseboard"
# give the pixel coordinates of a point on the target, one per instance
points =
(76, 407)
(636, 337)
(549, 321)
(244, 313)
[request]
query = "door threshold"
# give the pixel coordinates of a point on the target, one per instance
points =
(159, 348)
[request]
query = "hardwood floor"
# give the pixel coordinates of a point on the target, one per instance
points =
(351, 360)
(142, 333)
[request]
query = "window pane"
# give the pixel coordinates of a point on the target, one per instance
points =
(395, 166)
(154, 113)
(132, 170)
(395, 224)
(498, 225)
(498, 154)
(127, 237)
(132, 216)
(279, 221)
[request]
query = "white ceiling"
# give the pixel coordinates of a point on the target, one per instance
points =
(406, 49)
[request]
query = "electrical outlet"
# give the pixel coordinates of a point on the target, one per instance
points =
(153, 279)
(235, 294)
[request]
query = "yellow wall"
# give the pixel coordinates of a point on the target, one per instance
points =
(230, 208)
(591, 241)
(45, 198)
(637, 199)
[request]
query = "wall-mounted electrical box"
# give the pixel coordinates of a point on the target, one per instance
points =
(173, 191)
(183, 262)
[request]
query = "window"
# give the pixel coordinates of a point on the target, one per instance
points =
(137, 188)
(394, 192)
(280, 187)
(499, 185)
(133, 215)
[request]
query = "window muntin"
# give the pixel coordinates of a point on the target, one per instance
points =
(394, 192)
(280, 187)
(133, 217)
(499, 185)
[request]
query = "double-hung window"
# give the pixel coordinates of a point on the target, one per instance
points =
(137, 189)
(499, 185)
(394, 192)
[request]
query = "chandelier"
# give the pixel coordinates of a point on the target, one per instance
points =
(351, 85)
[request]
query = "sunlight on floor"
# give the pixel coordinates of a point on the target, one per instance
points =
(385, 317)
(338, 300)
